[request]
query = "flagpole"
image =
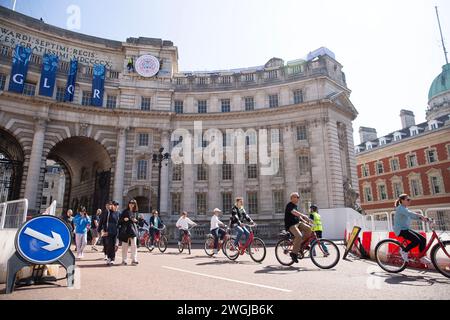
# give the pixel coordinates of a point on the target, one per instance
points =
(14, 5)
(442, 37)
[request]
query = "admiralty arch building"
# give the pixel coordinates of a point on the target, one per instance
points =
(107, 152)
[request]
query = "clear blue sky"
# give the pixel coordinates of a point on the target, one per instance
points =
(390, 50)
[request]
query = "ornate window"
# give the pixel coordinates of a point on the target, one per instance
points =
(435, 181)
(146, 103)
(249, 103)
(412, 160)
(252, 202)
(142, 167)
(302, 133)
(432, 155)
(415, 185)
(201, 203)
(395, 165)
(273, 101)
(227, 202)
(278, 201)
(176, 203)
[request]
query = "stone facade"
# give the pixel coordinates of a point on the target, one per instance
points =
(107, 152)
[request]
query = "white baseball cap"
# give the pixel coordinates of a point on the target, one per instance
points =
(217, 210)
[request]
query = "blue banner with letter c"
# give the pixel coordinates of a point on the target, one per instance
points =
(19, 70)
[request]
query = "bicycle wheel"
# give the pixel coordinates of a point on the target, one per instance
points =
(257, 250)
(147, 244)
(283, 249)
(387, 254)
(181, 247)
(162, 245)
(440, 260)
(209, 246)
(324, 253)
(189, 246)
(229, 250)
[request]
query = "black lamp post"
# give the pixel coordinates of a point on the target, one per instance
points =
(158, 160)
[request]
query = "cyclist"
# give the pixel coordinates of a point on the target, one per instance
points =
(317, 227)
(141, 228)
(216, 231)
(402, 223)
(238, 215)
(155, 224)
(296, 223)
(183, 225)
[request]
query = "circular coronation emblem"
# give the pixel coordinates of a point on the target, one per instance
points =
(147, 66)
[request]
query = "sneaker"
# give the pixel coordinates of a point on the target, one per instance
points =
(135, 262)
(105, 258)
(152, 247)
(108, 262)
(326, 254)
(124, 263)
(425, 260)
(179, 243)
(294, 257)
(404, 255)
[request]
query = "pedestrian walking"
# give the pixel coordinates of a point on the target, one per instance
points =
(94, 232)
(108, 228)
(82, 223)
(129, 231)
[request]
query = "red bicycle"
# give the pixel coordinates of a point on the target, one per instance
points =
(254, 246)
(160, 240)
(209, 243)
(387, 253)
(186, 242)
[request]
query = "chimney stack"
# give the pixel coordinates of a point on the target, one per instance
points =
(367, 134)
(408, 119)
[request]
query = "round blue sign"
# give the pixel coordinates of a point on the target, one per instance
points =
(43, 239)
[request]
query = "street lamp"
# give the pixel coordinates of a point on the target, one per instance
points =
(158, 160)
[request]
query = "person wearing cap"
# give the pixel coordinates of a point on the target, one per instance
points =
(215, 229)
(183, 225)
(108, 228)
(317, 227)
(296, 223)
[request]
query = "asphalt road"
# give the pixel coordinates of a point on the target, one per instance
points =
(175, 276)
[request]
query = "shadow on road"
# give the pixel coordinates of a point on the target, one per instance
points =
(407, 280)
(286, 270)
(226, 261)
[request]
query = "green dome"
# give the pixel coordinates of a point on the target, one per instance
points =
(441, 83)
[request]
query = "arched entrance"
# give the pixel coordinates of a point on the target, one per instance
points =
(143, 196)
(87, 168)
(11, 167)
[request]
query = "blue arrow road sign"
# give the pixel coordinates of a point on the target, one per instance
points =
(43, 239)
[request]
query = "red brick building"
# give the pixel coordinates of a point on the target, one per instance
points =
(414, 160)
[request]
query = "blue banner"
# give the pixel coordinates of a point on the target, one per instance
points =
(98, 85)
(21, 59)
(72, 77)
(48, 75)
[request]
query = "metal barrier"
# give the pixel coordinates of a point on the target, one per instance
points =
(13, 213)
(441, 217)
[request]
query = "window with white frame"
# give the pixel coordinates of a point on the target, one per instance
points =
(302, 133)
(111, 101)
(380, 167)
(412, 160)
(298, 96)
(414, 131)
(146, 103)
(278, 201)
(143, 139)
(176, 203)
(303, 162)
(252, 171)
(368, 194)
(86, 98)
(142, 169)
(202, 106)
(177, 172)
(227, 202)
(201, 198)
(226, 105)
(382, 141)
(249, 103)
(29, 89)
(252, 202)
(382, 193)
(397, 188)
(395, 165)
(432, 156)
(365, 170)
(397, 136)
(178, 106)
(369, 145)
(436, 184)
(202, 172)
(273, 101)
(416, 187)
(433, 125)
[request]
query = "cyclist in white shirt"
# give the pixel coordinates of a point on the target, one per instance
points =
(215, 229)
(183, 225)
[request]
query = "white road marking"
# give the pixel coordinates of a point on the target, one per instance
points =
(226, 279)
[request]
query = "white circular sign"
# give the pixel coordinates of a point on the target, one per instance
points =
(147, 65)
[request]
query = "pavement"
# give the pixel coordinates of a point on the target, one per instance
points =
(175, 276)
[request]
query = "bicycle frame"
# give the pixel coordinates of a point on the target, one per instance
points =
(251, 237)
(429, 245)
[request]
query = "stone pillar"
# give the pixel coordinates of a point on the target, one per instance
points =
(239, 181)
(290, 162)
(214, 199)
(164, 201)
(35, 165)
(120, 166)
(188, 203)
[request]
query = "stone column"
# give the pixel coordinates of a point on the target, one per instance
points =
(290, 162)
(214, 199)
(120, 166)
(164, 201)
(239, 181)
(35, 165)
(188, 203)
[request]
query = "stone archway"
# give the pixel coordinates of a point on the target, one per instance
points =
(11, 166)
(87, 166)
(143, 195)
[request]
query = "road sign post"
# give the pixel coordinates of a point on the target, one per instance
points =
(42, 240)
